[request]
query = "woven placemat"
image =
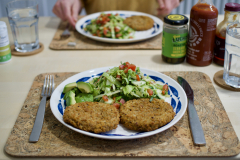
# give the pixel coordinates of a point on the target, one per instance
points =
(83, 43)
(218, 79)
(56, 140)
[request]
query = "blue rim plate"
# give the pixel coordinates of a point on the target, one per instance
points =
(139, 35)
(177, 99)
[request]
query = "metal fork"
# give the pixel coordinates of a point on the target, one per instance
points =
(47, 91)
(66, 32)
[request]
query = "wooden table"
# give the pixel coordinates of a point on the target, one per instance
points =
(16, 77)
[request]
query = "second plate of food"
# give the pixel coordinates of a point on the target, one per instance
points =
(139, 34)
(177, 99)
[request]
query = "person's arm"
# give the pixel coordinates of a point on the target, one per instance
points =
(68, 10)
(166, 6)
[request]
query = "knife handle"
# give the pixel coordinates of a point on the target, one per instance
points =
(195, 124)
(37, 128)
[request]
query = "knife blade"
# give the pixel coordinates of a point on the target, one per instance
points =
(195, 124)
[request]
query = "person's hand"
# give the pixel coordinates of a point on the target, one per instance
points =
(166, 6)
(67, 10)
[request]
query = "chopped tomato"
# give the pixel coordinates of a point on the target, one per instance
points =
(121, 67)
(105, 30)
(165, 89)
(122, 101)
(132, 67)
(109, 14)
(104, 22)
(126, 66)
(138, 78)
(117, 105)
(104, 18)
(118, 77)
(105, 98)
(163, 92)
(150, 92)
(118, 35)
(98, 33)
(116, 14)
(116, 29)
(127, 63)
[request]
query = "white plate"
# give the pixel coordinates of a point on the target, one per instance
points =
(139, 35)
(178, 101)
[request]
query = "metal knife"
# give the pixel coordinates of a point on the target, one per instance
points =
(195, 124)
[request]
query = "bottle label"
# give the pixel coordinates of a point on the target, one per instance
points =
(5, 53)
(174, 45)
(219, 49)
(3, 37)
(195, 33)
(201, 39)
(175, 17)
(211, 24)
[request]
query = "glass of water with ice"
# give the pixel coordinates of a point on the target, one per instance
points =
(23, 19)
(231, 73)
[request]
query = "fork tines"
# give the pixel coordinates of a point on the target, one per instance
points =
(48, 86)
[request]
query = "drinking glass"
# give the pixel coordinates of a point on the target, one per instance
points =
(23, 19)
(231, 73)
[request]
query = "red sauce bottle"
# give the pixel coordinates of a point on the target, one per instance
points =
(231, 15)
(203, 21)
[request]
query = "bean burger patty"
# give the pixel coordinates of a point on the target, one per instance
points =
(143, 115)
(92, 116)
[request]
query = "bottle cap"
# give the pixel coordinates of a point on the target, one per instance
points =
(176, 19)
(232, 7)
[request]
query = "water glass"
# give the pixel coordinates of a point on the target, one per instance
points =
(231, 73)
(23, 19)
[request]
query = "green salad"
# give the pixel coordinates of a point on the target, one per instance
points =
(110, 26)
(116, 86)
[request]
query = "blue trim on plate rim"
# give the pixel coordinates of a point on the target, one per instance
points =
(89, 20)
(156, 78)
(175, 100)
(60, 108)
(84, 79)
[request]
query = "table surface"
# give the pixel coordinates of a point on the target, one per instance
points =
(16, 76)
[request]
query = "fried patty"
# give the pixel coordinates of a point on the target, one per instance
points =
(139, 23)
(92, 116)
(143, 115)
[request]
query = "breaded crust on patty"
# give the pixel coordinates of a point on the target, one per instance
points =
(139, 23)
(142, 115)
(92, 116)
